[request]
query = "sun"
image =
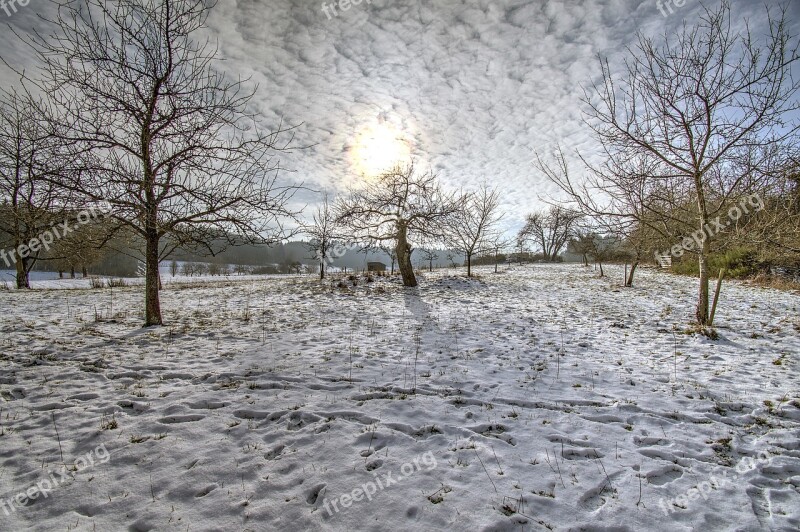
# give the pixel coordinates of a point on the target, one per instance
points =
(379, 147)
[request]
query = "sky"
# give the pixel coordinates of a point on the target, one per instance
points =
(470, 89)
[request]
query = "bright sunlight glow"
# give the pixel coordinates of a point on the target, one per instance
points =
(379, 147)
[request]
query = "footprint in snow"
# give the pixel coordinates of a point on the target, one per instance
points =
(317, 493)
(205, 491)
(664, 475)
(275, 452)
(375, 464)
(170, 420)
(595, 498)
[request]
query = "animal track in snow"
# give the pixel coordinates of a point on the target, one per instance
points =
(664, 475)
(189, 418)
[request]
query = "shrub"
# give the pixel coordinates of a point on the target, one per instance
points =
(739, 262)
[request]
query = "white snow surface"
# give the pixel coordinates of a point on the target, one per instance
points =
(539, 398)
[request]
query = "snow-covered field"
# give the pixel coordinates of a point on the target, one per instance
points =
(50, 280)
(540, 398)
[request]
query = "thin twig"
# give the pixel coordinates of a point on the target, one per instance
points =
(547, 459)
(639, 474)
(484, 468)
(604, 469)
(496, 460)
(58, 436)
(559, 471)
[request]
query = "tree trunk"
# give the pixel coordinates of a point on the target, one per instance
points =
(430, 265)
(72, 272)
(84, 271)
(404, 257)
(151, 282)
(702, 296)
(601, 268)
(629, 282)
(23, 279)
(469, 265)
(321, 270)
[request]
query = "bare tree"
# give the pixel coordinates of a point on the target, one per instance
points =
(624, 198)
(550, 230)
(188, 269)
(323, 233)
(496, 244)
(169, 141)
(470, 230)
(582, 244)
(602, 249)
(429, 255)
(82, 247)
(242, 269)
(704, 112)
(215, 268)
(638, 242)
(401, 207)
(451, 257)
(30, 165)
(390, 251)
(775, 231)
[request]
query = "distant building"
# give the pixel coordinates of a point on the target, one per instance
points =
(376, 267)
(664, 261)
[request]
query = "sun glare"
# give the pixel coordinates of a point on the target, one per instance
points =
(377, 148)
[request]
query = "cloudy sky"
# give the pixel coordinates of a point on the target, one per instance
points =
(468, 88)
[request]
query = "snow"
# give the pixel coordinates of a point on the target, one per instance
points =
(50, 280)
(545, 398)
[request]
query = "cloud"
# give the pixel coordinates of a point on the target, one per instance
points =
(475, 85)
